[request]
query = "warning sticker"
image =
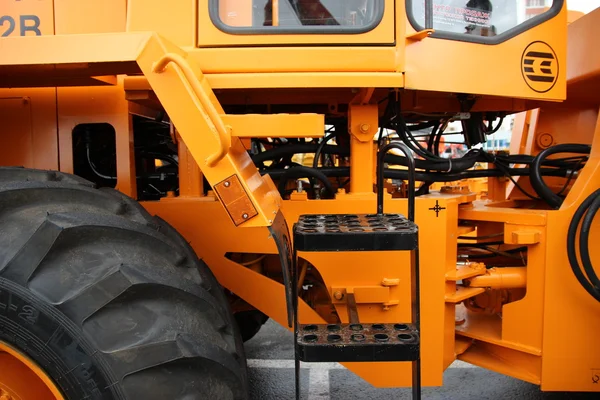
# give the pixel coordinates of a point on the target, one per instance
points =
(477, 17)
(452, 15)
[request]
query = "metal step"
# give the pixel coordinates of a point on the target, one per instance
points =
(355, 232)
(357, 342)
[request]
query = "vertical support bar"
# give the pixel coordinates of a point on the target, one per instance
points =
(275, 12)
(363, 121)
(191, 181)
(415, 289)
(416, 319)
(428, 14)
(295, 291)
(361, 161)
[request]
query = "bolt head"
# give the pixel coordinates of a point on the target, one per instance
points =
(245, 215)
(227, 184)
(365, 128)
(338, 295)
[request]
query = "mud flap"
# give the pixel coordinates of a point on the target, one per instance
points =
(281, 234)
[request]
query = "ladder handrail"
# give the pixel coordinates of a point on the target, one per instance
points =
(410, 160)
(222, 130)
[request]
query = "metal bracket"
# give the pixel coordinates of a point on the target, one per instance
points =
(418, 36)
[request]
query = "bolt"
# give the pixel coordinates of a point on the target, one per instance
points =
(227, 184)
(338, 295)
(245, 215)
(545, 140)
(365, 128)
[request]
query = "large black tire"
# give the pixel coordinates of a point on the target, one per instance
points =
(110, 302)
(250, 322)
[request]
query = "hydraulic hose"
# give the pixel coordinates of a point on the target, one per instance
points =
(457, 165)
(291, 149)
(320, 148)
(389, 173)
(304, 172)
(538, 184)
(586, 276)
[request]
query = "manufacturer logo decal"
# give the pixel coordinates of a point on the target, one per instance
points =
(539, 66)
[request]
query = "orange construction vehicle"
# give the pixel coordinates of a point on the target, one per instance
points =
(155, 210)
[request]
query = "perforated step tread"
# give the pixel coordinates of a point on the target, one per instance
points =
(357, 342)
(355, 232)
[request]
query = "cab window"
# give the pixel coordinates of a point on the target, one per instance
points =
(297, 16)
(483, 18)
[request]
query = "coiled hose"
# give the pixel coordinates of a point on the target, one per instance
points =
(586, 276)
(535, 175)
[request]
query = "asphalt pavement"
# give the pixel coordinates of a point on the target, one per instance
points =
(271, 373)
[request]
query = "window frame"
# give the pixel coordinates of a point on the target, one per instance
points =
(213, 10)
(554, 10)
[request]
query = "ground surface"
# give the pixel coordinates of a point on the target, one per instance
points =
(270, 361)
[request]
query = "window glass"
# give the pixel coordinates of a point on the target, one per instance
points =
(352, 15)
(479, 17)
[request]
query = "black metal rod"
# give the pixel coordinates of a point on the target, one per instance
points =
(411, 177)
(416, 320)
(428, 14)
(295, 323)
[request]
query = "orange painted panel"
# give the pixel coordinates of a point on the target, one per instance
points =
(16, 142)
(77, 16)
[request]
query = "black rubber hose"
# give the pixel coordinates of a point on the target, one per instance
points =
(291, 149)
(438, 140)
(457, 164)
(535, 176)
(431, 139)
(421, 126)
(320, 148)
(584, 241)
(304, 172)
(494, 130)
(344, 172)
(592, 288)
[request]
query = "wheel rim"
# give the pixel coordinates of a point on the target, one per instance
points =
(22, 379)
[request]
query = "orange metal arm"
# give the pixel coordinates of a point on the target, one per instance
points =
(501, 278)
